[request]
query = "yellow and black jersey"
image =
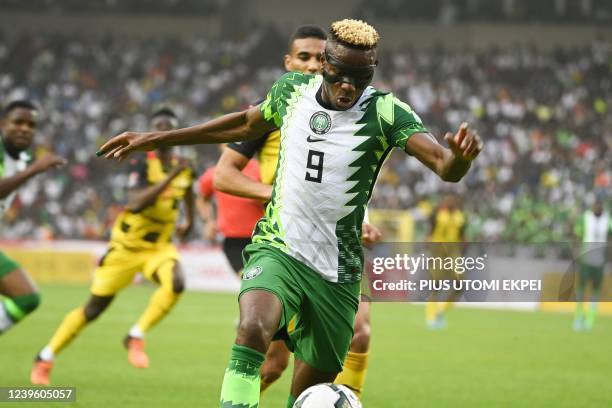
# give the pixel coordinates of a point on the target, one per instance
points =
(154, 225)
(448, 226)
(267, 148)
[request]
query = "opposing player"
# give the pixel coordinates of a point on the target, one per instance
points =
(306, 255)
(141, 241)
(593, 231)
(18, 121)
(235, 217)
(306, 46)
(447, 231)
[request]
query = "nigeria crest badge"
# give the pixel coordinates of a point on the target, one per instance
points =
(320, 122)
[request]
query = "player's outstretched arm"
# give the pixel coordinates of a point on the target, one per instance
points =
(230, 179)
(139, 199)
(450, 164)
(245, 125)
(46, 162)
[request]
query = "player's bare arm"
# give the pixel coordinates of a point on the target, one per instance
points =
(139, 199)
(450, 164)
(46, 162)
(246, 125)
(230, 179)
(207, 213)
(183, 229)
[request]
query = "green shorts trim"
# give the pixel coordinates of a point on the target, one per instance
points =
(7, 265)
(324, 311)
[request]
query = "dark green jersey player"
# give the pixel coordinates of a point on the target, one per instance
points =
(17, 124)
(592, 231)
(306, 256)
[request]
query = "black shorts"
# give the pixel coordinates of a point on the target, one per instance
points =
(232, 247)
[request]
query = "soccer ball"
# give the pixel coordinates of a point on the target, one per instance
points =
(327, 396)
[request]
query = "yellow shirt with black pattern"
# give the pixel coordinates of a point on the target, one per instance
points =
(448, 226)
(154, 225)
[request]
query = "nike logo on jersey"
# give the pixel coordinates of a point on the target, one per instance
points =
(313, 139)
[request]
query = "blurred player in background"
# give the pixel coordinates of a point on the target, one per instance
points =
(447, 226)
(236, 216)
(593, 231)
(306, 47)
(18, 123)
(141, 241)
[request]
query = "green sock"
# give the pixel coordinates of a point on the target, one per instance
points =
(590, 315)
(241, 382)
(579, 311)
(291, 401)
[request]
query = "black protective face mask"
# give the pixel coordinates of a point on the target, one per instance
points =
(359, 77)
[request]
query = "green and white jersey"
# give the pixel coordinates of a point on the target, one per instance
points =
(8, 168)
(328, 164)
(594, 232)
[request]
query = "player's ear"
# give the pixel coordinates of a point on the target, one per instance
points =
(288, 62)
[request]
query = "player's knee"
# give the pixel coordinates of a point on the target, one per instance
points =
(361, 338)
(92, 312)
(94, 308)
(170, 277)
(178, 281)
(254, 333)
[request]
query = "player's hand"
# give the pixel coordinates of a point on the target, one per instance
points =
(370, 234)
(465, 144)
(48, 161)
(121, 146)
(183, 230)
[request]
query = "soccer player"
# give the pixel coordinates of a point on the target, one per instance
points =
(593, 230)
(306, 46)
(141, 241)
(236, 216)
(447, 226)
(306, 255)
(18, 121)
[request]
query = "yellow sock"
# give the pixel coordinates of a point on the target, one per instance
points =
(160, 304)
(431, 310)
(354, 372)
(445, 306)
(70, 327)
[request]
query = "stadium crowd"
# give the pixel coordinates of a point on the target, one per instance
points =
(545, 117)
(444, 11)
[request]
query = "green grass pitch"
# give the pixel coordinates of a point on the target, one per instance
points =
(483, 359)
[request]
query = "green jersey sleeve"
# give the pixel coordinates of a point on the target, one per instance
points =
(274, 108)
(404, 122)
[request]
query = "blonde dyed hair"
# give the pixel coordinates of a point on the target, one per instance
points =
(355, 33)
